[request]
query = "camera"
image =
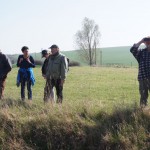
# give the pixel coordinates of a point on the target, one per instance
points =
(146, 39)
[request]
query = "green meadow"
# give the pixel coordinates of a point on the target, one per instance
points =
(100, 111)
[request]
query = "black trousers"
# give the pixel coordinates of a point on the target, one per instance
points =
(29, 88)
(144, 88)
(59, 89)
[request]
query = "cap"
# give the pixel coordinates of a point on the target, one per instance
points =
(54, 46)
(44, 52)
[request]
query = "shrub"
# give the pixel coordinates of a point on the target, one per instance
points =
(38, 62)
(74, 63)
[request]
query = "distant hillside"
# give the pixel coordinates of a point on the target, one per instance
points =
(111, 55)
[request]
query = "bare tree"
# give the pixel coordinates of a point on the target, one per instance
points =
(87, 40)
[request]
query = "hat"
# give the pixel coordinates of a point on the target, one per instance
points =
(54, 46)
(44, 52)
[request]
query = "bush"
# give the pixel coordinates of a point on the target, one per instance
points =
(38, 62)
(123, 129)
(74, 63)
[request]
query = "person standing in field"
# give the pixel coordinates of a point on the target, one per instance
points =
(143, 58)
(5, 68)
(25, 74)
(56, 71)
(49, 94)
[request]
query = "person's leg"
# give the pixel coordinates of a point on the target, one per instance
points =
(59, 91)
(143, 88)
(23, 89)
(47, 90)
(29, 88)
(148, 84)
(51, 90)
(1, 89)
(52, 95)
(2, 86)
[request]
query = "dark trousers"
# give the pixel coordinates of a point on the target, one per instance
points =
(23, 84)
(59, 89)
(144, 88)
(2, 86)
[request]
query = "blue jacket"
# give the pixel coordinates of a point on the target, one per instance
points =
(26, 74)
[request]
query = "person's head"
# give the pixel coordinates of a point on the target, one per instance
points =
(25, 50)
(54, 49)
(45, 53)
(147, 41)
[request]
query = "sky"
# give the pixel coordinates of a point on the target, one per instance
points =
(40, 23)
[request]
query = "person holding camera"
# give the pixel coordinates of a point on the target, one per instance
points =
(25, 74)
(143, 58)
(5, 68)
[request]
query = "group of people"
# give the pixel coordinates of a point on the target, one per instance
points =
(54, 71)
(55, 68)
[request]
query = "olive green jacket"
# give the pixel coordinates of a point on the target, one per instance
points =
(57, 67)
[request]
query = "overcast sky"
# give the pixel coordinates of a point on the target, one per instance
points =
(41, 23)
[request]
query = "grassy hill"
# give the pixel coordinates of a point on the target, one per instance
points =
(99, 112)
(111, 55)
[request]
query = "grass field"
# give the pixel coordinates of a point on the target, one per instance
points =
(100, 111)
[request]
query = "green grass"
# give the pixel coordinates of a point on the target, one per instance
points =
(100, 111)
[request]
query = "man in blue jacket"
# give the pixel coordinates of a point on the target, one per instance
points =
(143, 58)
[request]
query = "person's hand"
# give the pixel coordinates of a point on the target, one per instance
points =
(142, 41)
(139, 43)
(21, 59)
(28, 60)
(44, 76)
(62, 82)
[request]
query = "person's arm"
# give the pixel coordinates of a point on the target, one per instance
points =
(64, 69)
(43, 69)
(19, 61)
(31, 62)
(7, 66)
(135, 49)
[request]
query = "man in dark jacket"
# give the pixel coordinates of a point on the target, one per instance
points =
(48, 92)
(143, 58)
(5, 68)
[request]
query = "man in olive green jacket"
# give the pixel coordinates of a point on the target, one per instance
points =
(56, 71)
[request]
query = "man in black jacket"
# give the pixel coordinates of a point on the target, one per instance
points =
(5, 68)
